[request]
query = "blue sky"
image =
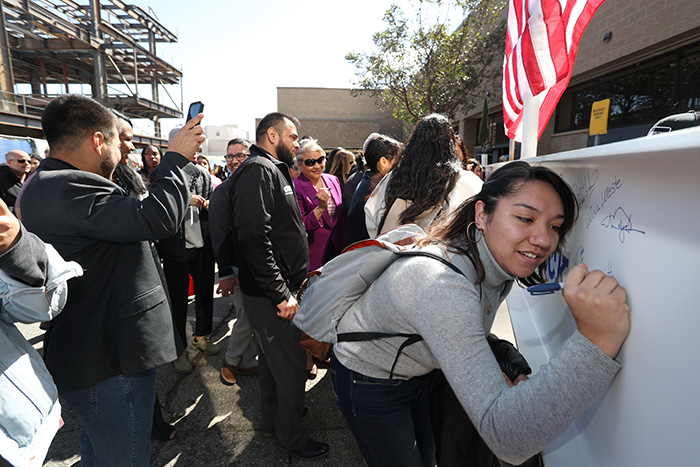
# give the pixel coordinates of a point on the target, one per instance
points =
(235, 54)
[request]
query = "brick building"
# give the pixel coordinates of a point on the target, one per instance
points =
(642, 54)
(338, 117)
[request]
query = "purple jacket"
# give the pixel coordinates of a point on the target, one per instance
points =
(321, 232)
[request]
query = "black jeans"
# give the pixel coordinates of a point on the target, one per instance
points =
(200, 265)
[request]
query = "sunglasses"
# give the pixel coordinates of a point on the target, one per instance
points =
(22, 161)
(241, 156)
(312, 162)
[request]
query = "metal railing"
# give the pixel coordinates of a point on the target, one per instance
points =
(24, 104)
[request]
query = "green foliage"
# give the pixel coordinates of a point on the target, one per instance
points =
(427, 64)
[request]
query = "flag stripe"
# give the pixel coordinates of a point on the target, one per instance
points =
(541, 45)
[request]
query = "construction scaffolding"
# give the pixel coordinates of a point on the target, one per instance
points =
(52, 47)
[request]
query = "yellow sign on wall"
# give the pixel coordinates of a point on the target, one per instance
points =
(599, 117)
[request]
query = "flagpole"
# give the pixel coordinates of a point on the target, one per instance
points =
(511, 150)
(531, 114)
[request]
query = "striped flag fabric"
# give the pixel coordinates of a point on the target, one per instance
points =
(541, 45)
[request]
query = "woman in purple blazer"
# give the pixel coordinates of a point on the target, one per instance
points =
(321, 204)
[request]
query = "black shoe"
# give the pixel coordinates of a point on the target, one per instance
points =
(310, 451)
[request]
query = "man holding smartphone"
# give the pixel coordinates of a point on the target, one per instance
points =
(116, 328)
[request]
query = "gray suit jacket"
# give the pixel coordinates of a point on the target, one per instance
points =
(117, 319)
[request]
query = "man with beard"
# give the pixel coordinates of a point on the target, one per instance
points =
(115, 328)
(273, 255)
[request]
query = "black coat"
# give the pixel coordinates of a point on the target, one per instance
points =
(10, 186)
(117, 319)
(221, 229)
(269, 235)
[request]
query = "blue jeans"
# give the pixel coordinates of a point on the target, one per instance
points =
(116, 416)
(391, 423)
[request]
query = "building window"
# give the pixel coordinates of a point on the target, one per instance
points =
(218, 133)
(642, 94)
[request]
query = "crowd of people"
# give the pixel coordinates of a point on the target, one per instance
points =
(141, 228)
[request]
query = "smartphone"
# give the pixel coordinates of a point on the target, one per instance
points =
(196, 108)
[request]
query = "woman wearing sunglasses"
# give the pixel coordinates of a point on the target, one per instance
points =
(321, 203)
(320, 200)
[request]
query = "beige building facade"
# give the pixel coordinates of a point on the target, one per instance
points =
(336, 116)
(644, 55)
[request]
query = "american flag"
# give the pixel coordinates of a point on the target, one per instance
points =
(541, 45)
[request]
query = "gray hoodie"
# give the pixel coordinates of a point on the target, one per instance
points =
(422, 296)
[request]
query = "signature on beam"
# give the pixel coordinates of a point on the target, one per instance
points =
(584, 185)
(620, 220)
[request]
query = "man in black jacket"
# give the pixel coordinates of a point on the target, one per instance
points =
(116, 327)
(273, 255)
(12, 176)
(242, 353)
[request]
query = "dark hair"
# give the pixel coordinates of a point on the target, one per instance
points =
(503, 182)
(272, 120)
(459, 143)
(330, 157)
(380, 146)
(129, 181)
(120, 116)
(428, 169)
(241, 141)
(475, 167)
(342, 163)
(360, 164)
(143, 155)
(70, 119)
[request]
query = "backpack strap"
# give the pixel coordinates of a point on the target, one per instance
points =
(370, 336)
(410, 338)
(427, 254)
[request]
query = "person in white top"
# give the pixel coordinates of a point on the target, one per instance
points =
(426, 184)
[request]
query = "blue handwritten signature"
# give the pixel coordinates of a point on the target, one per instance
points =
(556, 265)
(605, 195)
(620, 220)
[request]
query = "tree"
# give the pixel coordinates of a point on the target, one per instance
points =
(484, 128)
(426, 65)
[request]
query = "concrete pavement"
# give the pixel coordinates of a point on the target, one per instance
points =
(216, 424)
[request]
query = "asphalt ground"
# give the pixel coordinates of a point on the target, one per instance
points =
(218, 425)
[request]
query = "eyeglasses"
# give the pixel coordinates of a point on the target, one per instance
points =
(312, 162)
(241, 156)
(22, 161)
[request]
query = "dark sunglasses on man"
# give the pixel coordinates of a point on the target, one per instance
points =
(312, 162)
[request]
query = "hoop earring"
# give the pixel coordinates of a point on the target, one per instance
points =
(469, 237)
